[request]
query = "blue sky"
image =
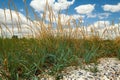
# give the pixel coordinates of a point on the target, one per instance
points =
(97, 14)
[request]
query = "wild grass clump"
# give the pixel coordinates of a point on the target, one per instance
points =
(49, 52)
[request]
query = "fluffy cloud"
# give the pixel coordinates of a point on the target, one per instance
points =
(99, 15)
(98, 26)
(65, 18)
(18, 25)
(39, 5)
(103, 15)
(104, 29)
(9, 31)
(62, 17)
(101, 24)
(77, 16)
(62, 4)
(5, 17)
(91, 15)
(85, 9)
(112, 8)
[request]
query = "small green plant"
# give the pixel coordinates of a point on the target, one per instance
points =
(14, 37)
(59, 77)
(90, 54)
(94, 69)
(118, 54)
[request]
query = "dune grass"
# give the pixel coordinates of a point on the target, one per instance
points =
(47, 53)
(27, 58)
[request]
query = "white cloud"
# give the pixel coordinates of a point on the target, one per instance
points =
(103, 15)
(16, 25)
(22, 31)
(99, 15)
(98, 25)
(62, 4)
(39, 5)
(91, 15)
(101, 24)
(98, 28)
(65, 18)
(111, 8)
(77, 16)
(16, 16)
(85, 9)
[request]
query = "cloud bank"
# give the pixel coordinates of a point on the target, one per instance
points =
(59, 5)
(111, 8)
(85, 9)
(39, 5)
(13, 23)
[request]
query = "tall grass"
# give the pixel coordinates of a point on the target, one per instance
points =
(50, 50)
